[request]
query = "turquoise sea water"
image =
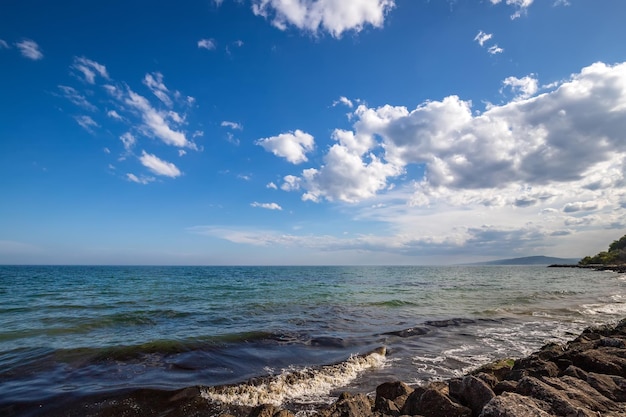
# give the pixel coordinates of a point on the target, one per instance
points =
(70, 332)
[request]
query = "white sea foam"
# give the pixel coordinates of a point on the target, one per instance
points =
(304, 385)
(612, 309)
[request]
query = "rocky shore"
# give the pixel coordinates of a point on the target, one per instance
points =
(585, 377)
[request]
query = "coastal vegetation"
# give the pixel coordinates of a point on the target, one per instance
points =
(615, 255)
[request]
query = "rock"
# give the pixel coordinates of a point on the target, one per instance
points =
(505, 386)
(562, 400)
(472, 392)
(393, 390)
(612, 387)
(604, 360)
(349, 405)
(284, 413)
(498, 369)
(575, 372)
(264, 410)
(387, 407)
(433, 401)
(488, 379)
(513, 405)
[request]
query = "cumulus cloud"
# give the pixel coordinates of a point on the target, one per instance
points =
(89, 69)
(267, 206)
(345, 101)
(332, 16)
(562, 136)
(30, 49)
(207, 44)
(159, 166)
(522, 87)
(292, 146)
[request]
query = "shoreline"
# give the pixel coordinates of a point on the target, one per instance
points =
(583, 377)
(620, 269)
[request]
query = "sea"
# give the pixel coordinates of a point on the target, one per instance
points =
(292, 336)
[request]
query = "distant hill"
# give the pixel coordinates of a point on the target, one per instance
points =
(531, 260)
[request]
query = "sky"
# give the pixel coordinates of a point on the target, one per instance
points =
(272, 132)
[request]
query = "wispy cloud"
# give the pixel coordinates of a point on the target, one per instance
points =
(140, 180)
(495, 49)
(159, 166)
(30, 49)
(232, 125)
(4, 44)
(521, 6)
(89, 69)
(155, 83)
(76, 98)
(483, 37)
(155, 123)
(209, 44)
(267, 206)
(86, 123)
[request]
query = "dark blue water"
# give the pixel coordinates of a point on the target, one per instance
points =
(73, 331)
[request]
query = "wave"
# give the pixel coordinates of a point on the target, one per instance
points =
(303, 385)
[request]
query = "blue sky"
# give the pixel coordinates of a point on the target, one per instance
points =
(310, 131)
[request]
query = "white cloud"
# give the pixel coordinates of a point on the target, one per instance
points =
(292, 145)
(483, 37)
(29, 49)
(291, 183)
(154, 122)
(571, 135)
(114, 115)
(86, 123)
(267, 206)
(128, 140)
(139, 180)
(522, 87)
(343, 100)
(232, 125)
(89, 69)
(495, 49)
(521, 6)
(207, 44)
(272, 186)
(76, 98)
(332, 16)
(4, 44)
(159, 166)
(155, 83)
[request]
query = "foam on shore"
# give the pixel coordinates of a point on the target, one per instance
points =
(304, 385)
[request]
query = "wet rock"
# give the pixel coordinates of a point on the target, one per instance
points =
(264, 410)
(505, 386)
(349, 405)
(396, 392)
(472, 392)
(434, 401)
(514, 405)
(575, 372)
(499, 369)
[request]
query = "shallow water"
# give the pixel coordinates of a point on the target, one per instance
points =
(70, 331)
